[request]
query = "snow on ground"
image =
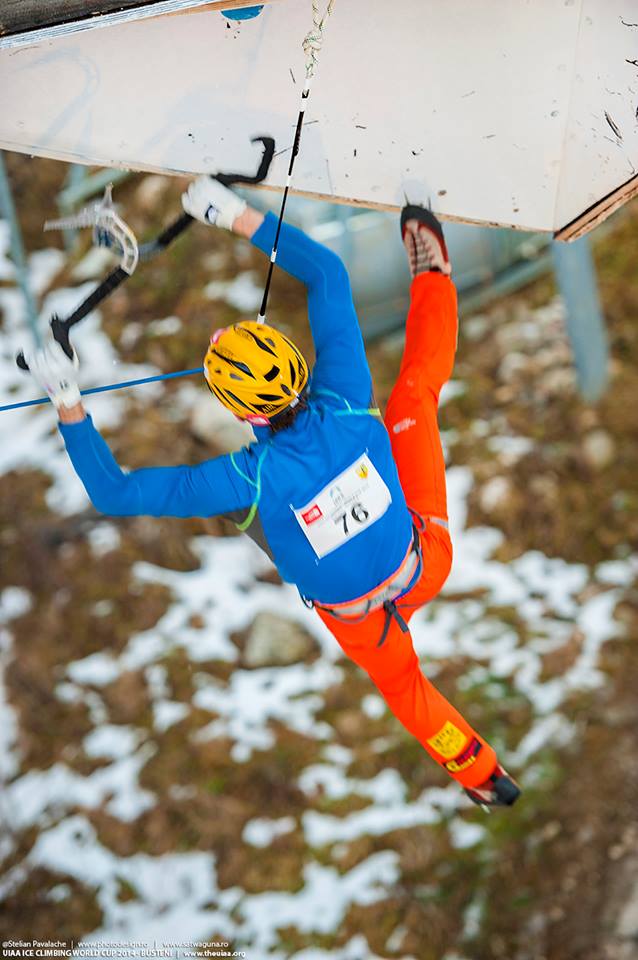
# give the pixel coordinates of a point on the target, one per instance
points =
(324, 887)
(179, 892)
(175, 893)
(241, 292)
(178, 898)
(286, 694)
(41, 796)
(322, 829)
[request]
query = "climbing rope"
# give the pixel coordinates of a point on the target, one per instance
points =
(311, 45)
(107, 387)
(314, 38)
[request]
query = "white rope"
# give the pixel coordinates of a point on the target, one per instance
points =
(314, 38)
(311, 45)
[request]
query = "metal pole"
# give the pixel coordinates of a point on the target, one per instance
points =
(76, 175)
(81, 185)
(7, 208)
(576, 277)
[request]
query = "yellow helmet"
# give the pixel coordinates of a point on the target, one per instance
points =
(254, 370)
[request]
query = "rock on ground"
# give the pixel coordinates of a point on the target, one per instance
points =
(274, 641)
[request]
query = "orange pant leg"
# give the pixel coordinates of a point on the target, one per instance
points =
(395, 671)
(411, 415)
(411, 419)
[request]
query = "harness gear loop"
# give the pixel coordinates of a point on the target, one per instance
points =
(389, 605)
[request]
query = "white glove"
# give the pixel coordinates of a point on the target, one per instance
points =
(211, 202)
(54, 372)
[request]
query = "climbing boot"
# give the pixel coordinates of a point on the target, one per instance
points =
(499, 790)
(424, 241)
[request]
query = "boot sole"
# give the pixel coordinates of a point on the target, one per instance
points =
(426, 217)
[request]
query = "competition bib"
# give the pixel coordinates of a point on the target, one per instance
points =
(348, 505)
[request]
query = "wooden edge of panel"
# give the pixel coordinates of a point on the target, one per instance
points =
(217, 5)
(112, 15)
(273, 188)
(598, 212)
(396, 208)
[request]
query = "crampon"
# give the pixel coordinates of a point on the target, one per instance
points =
(499, 790)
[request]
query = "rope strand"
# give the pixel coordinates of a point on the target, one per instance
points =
(106, 388)
(314, 38)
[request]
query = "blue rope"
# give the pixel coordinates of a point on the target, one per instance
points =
(109, 386)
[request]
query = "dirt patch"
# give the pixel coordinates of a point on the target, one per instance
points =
(49, 905)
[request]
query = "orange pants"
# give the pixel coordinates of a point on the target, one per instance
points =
(411, 419)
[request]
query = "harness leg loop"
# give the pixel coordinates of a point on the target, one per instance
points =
(391, 613)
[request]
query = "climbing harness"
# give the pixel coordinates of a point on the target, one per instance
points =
(311, 45)
(386, 595)
(390, 592)
(392, 589)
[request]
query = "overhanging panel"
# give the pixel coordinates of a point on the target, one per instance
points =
(484, 135)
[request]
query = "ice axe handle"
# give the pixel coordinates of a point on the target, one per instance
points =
(227, 180)
(60, 331)
(60, 328)
(172, 231)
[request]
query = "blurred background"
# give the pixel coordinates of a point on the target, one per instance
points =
(184, 753)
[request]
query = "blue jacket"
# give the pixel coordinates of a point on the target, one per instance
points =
(283, 472)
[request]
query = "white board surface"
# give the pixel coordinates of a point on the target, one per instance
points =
(494, 111)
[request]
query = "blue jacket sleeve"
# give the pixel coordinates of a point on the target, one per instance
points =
(341, 363)
(211, 488)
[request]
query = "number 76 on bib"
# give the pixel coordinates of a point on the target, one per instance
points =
(345, 507)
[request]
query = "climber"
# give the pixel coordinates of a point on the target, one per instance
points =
(351, 510)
